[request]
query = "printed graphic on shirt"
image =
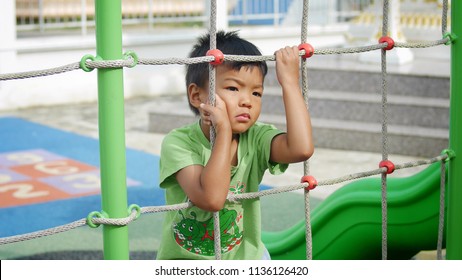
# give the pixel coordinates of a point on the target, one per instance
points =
(238, 189)
(197, 236)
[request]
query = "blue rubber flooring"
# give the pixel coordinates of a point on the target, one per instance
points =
(50, 177)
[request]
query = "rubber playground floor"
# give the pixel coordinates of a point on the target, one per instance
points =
(66, 136)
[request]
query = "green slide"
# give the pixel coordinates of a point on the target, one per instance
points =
(348, 224)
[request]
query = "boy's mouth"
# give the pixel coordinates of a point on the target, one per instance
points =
(243, 117)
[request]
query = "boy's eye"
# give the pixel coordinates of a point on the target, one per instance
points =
(232, 88)
(258, 94)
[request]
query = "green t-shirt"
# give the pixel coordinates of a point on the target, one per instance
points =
(188, 234)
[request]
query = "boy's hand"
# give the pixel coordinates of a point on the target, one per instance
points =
(288, 66)
(296, 145)
(216, 115)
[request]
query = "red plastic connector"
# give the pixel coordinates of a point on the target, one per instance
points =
(388, 164)
(389, 41)
(309, 50)
(219, 57)
(312, 183)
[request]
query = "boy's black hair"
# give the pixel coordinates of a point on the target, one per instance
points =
(228, 43)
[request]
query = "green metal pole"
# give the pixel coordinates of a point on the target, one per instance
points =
(454, 219)
(111, 127)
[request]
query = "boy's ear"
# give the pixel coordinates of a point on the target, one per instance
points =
(194, 95)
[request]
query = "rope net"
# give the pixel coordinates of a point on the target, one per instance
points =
(89, 63)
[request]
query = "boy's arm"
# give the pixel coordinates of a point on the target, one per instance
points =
(297, 144)
(207, 186)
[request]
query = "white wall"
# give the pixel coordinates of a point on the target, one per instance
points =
(7, 47)
(79, 86)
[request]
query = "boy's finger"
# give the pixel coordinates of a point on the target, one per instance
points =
(218, 99)
(205, 107)
(219, 102)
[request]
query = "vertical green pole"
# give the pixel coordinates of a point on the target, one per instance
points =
(111, 127)
(454, 219)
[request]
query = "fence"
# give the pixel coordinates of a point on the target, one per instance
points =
(45, 15)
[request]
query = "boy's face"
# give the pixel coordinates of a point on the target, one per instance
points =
(241, 91)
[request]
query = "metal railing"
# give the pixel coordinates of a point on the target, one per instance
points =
(42, 15)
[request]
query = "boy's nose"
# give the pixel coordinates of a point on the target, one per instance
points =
(245, 100)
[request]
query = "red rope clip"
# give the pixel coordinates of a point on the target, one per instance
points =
(219, 57)
(388, 164)
(312, 183)
(389, 41)
(309, 50)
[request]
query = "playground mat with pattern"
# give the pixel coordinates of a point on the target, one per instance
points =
(49, 177)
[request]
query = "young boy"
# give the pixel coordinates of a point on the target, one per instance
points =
(190, 169)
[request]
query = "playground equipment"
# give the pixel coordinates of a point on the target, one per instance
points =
(347, 224)
(113, 175)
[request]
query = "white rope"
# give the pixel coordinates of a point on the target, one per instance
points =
(234, 197)
(212, 100)
(306, 165)
(128, 62)
(444, 17)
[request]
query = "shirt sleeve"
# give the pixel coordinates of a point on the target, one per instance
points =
(264, 138)
(176, 154)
